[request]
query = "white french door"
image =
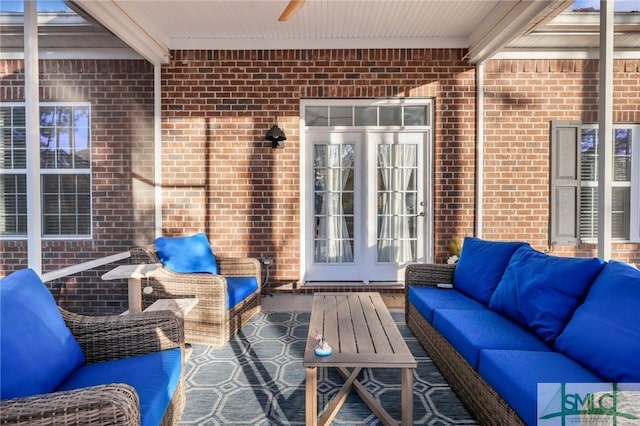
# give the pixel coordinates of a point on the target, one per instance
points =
(367, 206)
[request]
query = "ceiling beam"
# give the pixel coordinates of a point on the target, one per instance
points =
(507, 21)
(143, 40)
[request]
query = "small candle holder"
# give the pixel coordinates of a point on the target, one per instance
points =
(323, 348)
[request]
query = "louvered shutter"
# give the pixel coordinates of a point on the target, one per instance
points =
(564, 228)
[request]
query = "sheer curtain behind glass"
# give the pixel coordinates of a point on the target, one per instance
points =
(396, 203)
(334, 198)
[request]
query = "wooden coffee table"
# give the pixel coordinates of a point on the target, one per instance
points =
(362, 333)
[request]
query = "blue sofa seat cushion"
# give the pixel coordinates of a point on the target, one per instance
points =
(481, 265)
(187, 255)
(515, 374)
(541, 292)
(38, 349)
(469, 331)
(427, 299)
(239, 288)
(604, 332)
(155, 377)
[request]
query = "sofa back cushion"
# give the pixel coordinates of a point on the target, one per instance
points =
(541, 292)
(187, 255)
(38, 349)
(604, 332)
(481, 266)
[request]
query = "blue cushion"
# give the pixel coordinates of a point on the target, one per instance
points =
(187, 254)
(541, 291)
(481, 266)
(469, 331)
(515, 374)
(239, 288)
(154, 376)
(38, 349)
(604, 332)
(427, 299)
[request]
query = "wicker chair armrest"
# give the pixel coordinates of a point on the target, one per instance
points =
(144, 254)
(105, 338)
(239, 267)
(114, 404)
(428, 274)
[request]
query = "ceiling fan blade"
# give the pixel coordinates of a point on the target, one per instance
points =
(291, 8)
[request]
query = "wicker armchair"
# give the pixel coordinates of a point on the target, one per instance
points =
(210, 322)
(102, 339)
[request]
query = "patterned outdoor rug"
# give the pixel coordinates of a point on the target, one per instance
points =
(258, 379)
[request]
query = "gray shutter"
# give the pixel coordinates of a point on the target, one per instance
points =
(564, 224)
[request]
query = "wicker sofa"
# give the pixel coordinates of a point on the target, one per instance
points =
(494, 356)
(45, 363)
(216, 317)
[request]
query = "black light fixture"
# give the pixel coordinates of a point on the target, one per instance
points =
(276, 136)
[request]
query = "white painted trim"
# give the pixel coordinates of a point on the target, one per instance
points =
(32, 115)
(480, 69)
(506, 22)
(157, 147)
(320, 43)
(146, 41)
(515, 53)
(85, 266)
(634, 225)
(75, 53)
(605, 130)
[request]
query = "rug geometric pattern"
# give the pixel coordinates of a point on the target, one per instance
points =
(258, 379)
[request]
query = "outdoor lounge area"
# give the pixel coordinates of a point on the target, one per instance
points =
(306, 212)
(480, 337)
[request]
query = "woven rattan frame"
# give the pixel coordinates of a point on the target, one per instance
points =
(210, 322)
(480, 398)
(103, 339)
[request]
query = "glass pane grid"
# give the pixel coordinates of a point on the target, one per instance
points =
(65, 159)
(13, 207)
(397, 203)
(334, 203)
(621, 205)
(370, 116)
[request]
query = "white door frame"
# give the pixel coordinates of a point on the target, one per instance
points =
(426, 252)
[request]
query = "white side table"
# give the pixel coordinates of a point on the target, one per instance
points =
(133, 274)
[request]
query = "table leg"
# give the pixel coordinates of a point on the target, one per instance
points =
(407, 396)
(135, 296)
(311, 396)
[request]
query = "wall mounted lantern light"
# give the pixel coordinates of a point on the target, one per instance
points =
(276, 136)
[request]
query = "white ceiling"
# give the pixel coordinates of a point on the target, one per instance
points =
(151, 26)
(485, 27)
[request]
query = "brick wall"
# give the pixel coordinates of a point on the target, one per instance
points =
(220, 176)
(223, 178)
(121, 97)
(522, 98)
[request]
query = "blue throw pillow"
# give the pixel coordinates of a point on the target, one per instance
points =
(604, 332)
(38, 349)
(541, 292)
(481, 266)
(187, 254)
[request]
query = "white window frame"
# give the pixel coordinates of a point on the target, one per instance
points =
(43, 172)
(634, 204)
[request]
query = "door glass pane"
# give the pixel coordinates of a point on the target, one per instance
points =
(366, 116)
(334, 203)
(415, 115)
(316, 116)
(396, 201)
(391, 116)
(341, 116)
